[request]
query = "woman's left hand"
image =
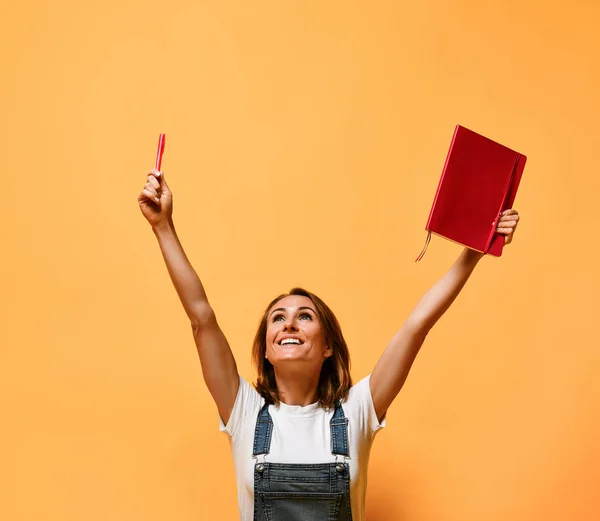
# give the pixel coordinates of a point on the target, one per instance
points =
(507, 224)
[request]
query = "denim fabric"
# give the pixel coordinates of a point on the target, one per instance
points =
(339, 432)
(302, 492)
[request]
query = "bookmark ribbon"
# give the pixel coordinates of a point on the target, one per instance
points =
(425, 247)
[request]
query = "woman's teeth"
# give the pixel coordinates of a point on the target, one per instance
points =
(290, 341)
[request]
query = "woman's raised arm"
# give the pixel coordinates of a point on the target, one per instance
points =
(218, 364)
(393, 367)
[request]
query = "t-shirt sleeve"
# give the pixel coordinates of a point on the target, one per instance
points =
(246, 406)
(360, 401)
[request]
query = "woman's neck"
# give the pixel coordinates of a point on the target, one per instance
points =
(297, 388)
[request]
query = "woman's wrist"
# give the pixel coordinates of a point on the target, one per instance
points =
(161, 227)
(472, 256)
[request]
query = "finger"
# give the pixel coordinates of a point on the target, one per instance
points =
(508, 239)
(155, 173)
(508, 218)
(504, 230)
(152, 190)
(153, 182)
(507, 224)
(150, 195)
(511, 211)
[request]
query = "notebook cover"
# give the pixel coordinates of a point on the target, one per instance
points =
(479, 181)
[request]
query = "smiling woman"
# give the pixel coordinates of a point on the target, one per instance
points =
(321, 359)
(302, 436)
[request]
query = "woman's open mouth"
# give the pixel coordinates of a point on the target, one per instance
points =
(290, 342)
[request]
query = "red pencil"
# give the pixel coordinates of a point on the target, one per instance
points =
(159, 152)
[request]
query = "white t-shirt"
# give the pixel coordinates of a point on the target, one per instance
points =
(301, 435)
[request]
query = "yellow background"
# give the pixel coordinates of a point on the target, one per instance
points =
(305, 141)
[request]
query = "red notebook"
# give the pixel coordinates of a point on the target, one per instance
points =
(479, 181)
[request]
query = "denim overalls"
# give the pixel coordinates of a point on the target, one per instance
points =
(302, 492)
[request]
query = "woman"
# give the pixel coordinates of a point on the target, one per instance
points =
(301, 440)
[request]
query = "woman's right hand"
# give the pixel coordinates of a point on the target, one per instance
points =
(156, 200)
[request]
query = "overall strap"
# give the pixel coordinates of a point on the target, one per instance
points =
(339, 432)
(262, 433)
(338, 426)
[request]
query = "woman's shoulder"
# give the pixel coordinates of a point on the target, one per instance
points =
(248, 396)
(360, 408)
(248, 403)
(248, 388)
(360, 389)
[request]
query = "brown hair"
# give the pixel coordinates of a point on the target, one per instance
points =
(335, 380)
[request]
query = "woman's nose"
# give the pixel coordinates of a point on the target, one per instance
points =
(289, 324)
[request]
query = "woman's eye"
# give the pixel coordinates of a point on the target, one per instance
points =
(303, 315)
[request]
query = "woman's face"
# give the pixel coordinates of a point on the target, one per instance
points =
(294, 333)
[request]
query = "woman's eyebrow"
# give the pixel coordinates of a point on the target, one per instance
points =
(301, 307)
